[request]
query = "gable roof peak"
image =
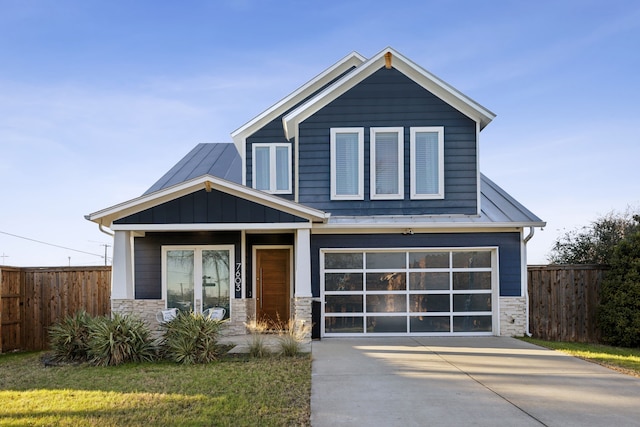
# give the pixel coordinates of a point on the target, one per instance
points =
(385, 58)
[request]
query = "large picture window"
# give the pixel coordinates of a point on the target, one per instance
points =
(197, 278)
(272, 167)
(427, 163)
(402, 292)
(387, 163)
(347, 163)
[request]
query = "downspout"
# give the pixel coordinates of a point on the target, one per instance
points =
(108, 233)
(532, 231)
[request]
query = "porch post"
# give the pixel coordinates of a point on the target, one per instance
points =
(303, 264)
(122, 266)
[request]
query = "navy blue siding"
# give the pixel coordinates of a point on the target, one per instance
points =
(508, 252)
(388, 98)
(209, 207)
(148, 256)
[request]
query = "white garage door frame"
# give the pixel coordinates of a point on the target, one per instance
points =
(359, 317)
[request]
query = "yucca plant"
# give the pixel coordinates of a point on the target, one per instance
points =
(68, 339)
(119, 339)
(191, 338)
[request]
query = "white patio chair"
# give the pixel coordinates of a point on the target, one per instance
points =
(164, 316)
(215, 313)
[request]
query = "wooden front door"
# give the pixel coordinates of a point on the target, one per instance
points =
(273, 275)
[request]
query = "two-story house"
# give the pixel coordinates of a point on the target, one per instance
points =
(355, 203)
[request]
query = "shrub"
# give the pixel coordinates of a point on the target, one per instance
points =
(619, 314)
(68, 339)
(292, 336)
(118, 340)
(191, 338)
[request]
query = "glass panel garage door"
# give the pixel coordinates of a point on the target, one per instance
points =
(421, 292)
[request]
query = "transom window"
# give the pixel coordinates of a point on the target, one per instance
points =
(387, 163)
(347, 163)
(272, 167)
(427, 162)
(417, 291)
(197, 278)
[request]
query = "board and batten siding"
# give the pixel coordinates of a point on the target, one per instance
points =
(209, 207)
(388, 98)
(508, 244)
(148, 256)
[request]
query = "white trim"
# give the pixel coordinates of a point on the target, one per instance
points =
(122, 277)
(399, 131)
(213, 227)
(302, 288)
(479, 174)
(197, 272)
(108, 215)
(273, 166)
(240, 135)
(440, 193)
(407, 313)
(438, 87)
(333, 133)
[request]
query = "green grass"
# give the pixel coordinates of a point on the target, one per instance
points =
(624, 359)
(271, 391)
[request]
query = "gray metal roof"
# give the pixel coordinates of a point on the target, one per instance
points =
(217, 159)
(498, 206)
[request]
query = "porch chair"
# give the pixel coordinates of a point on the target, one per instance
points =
(164, 316)
(215, 313)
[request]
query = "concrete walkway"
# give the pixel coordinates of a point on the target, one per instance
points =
(463, 381)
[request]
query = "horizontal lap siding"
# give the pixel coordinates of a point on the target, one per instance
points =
(510, 273)
(148, 256)
(385, 99)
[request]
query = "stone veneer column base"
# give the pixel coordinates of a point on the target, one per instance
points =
(145, 309)
(302, 315)
(513, 316)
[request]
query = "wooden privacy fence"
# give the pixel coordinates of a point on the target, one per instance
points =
(563, 302)
(33, 299)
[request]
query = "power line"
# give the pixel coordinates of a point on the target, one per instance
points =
(50, 244)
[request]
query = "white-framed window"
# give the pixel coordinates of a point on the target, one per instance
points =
(427, 162)
(347, 163)
(387, 163)
(272, 167)
(197, 278)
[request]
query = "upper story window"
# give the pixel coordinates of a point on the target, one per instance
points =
(272, 167)
(347, 163)
(427, 162)
(387, 163)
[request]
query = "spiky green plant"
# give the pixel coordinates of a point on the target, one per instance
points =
(119, 339)
(191, 338)
(68, 339)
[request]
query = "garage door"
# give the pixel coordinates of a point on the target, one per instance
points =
(409, 292)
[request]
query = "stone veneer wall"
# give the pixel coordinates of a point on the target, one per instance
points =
(513, 316)
(302, 314)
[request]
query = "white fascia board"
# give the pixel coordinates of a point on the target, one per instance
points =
(354, 59)
(213, 227)
(438, 87)
(421, 226)
(107, 216)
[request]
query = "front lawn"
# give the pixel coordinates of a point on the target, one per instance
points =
(626, 360)
(271, 391)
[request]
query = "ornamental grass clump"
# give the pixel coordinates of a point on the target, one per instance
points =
(119, 339)
(291, 337)
(191, 338)
(68, 339)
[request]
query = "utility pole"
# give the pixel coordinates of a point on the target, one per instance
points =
(105, 252)
(3, 256)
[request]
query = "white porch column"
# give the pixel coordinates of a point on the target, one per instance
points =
(303, 264)
(122, 266)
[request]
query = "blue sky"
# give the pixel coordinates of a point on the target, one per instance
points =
(99, 99)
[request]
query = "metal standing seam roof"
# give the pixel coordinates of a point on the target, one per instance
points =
(223, 160)
(217, 159)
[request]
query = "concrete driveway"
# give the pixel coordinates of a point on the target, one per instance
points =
(463, 381)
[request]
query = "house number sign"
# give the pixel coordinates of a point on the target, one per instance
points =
(238, 277)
